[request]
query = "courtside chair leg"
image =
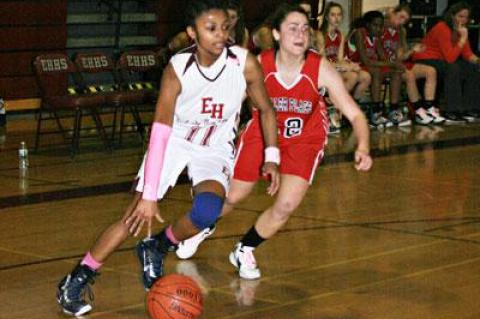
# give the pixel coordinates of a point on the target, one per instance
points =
(76, 132)
(39, 126)
(122, 123)
(60, 126)
(138, 120)
(114, 125)
(100, 129)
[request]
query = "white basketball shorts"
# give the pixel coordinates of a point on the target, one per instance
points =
(203, 163)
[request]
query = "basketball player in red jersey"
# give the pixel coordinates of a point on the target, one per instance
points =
(394, 41)
(293, 75)
(369, 52)
(330, 43)
(197, 111)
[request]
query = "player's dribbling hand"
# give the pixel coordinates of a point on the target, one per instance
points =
(143, 212)
(363, 161)
(271, 169)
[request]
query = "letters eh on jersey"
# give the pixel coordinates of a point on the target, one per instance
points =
(214, 109)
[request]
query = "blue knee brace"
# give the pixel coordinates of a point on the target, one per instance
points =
(206, 209)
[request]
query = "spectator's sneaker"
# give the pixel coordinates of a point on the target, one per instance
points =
(151, 261)
(422, 117)
(470, 117)
(453, 118)
(335, 120)
(377, 120)
(243, 259)
(435, 115)
(332, 130)
(187, 248)
(398, 118)
(72, 289)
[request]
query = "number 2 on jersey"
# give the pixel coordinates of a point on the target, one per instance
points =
(293, 127)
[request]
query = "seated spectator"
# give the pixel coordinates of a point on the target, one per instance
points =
(447, 49)
(178, 42)
(330, 42)
(366, 47)
(238, 33)
(394, 41)
(261, 39)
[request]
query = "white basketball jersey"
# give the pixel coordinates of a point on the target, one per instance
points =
(208, 107)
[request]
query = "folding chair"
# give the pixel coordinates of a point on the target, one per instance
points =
(138, 71)
(52, 73)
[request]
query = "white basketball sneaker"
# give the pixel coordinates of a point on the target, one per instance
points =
(435, 115)
(187, 248)
(243, 259)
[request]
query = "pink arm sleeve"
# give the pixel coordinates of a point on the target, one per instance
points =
(154, 162)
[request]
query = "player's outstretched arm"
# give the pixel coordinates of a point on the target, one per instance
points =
(146, 207)
(342, 100)
(258, 94)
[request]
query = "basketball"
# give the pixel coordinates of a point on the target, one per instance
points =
(176, 297)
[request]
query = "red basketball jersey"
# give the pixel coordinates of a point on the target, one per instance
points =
(370, 47)
(301, 110)
(332, 46)
(391, 42)
(351, 51)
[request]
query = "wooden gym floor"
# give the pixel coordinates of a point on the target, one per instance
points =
(402, 241)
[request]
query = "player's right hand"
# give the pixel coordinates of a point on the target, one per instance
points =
(143, 212)
(271, 169)
(363, 160)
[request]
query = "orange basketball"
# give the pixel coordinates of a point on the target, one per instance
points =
(175, 297)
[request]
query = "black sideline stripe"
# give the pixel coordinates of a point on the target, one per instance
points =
(114, 188)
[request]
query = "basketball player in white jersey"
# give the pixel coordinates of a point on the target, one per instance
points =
(201, 93)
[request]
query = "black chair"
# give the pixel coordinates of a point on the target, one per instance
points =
(139, 71)
(53, 72)
(98, 72)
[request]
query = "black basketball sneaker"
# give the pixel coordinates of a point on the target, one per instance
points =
(72, 289)
(151, 260)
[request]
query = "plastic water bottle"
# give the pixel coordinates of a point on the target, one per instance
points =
(23, 156)
(3, 115)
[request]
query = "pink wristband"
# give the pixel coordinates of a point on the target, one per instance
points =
(154, 162)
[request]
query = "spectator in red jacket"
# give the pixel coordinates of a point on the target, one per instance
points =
(448, 51)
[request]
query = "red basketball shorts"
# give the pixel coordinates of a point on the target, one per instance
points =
(296, 159)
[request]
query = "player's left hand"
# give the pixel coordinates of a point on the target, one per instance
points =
(363, 161)
(271, 169)
(143, 212)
